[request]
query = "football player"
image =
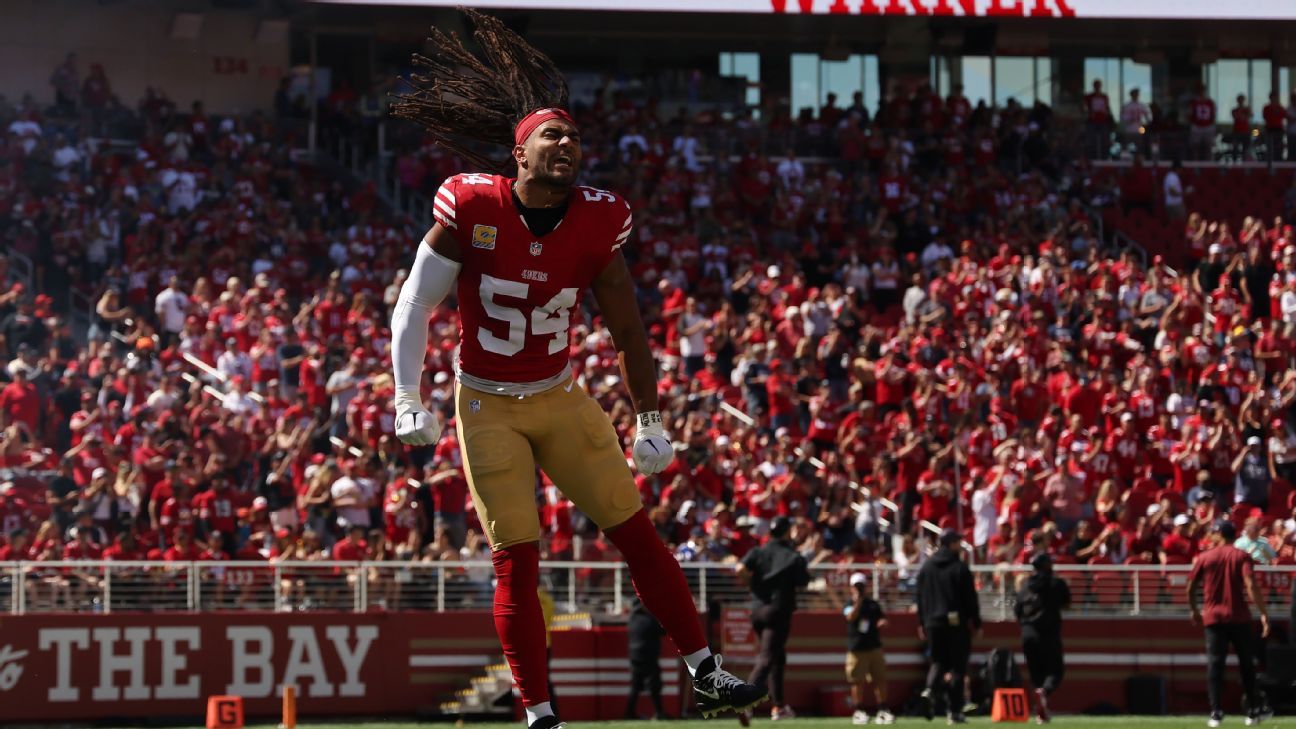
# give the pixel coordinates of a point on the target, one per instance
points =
(519, 254)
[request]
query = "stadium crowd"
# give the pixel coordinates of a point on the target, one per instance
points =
(901, 321)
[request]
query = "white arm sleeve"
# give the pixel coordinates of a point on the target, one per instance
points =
(430, 280)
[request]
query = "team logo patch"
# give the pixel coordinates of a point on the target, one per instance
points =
(484, 236)
(474, 405)
(536, 248)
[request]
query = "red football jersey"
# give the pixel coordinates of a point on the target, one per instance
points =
(517, 291)
(1201, 112)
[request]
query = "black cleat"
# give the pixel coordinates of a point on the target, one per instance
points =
(717, 690)
(955, 717)
(1257, 716)
(928, 704)
(547, 722)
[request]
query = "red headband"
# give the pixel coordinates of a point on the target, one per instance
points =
(532, 121)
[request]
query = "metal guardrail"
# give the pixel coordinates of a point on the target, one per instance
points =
(213, 375)
(594, 587)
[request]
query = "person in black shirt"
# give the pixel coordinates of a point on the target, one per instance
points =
(1040, 602)
(865, 662)
(754, 392)
(62, 495)
(644, 634)
(807, 386)
(1256, 274)
(23, 327)
(290, 354)
(948, 614)
(774, 571)
(1209, 272)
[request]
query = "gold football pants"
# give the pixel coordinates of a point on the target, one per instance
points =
(564, 431)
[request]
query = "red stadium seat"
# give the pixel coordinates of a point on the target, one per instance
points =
(1150, 588)
(1081, 586)
(1175, 584)
(1110, 589)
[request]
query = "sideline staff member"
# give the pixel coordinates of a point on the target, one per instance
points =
(774, 571)
(865, 661)
(1225, 574)
(644, 634)
(1039, 607)
(948, 613)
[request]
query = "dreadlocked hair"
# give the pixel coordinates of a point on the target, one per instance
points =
(465, 102)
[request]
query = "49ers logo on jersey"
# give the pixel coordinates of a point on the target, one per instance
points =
(484, 236)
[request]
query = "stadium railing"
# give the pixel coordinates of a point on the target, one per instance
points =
(590, 587)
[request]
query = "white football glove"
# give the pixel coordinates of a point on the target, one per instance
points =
(415, 424)
(652, 450)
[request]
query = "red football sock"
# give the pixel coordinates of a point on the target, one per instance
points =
(519, 621)
(659, 581)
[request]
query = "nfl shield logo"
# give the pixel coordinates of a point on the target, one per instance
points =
(536, 248)
(475, 406)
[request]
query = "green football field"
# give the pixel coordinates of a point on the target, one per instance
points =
(1063, 722)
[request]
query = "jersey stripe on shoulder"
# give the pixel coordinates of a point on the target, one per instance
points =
(443, 205)
(624, 235)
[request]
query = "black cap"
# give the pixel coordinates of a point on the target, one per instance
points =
(1225, 528)
(1042, 562)
(780, 527)
(950, 537)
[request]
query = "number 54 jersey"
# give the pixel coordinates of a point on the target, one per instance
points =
(516, 290)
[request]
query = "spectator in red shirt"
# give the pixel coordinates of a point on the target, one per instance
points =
(403, 517)
(15, 511)
(184, 549)
(18, 548)
(779, 391)
(1179, 546)
(1225, 575)
(1201, 117)
(125, 548)
(1084, 399)
(81, 546)
(19, 402)
(311, 376)
(449, 497)
(178, 513)
(1275, 124)
(217, 509)
(1098, 122)
(889, 378)
(1240, 139)
(556, 523)
(353, 548)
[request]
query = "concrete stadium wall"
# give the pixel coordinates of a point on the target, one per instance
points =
(225, 66)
